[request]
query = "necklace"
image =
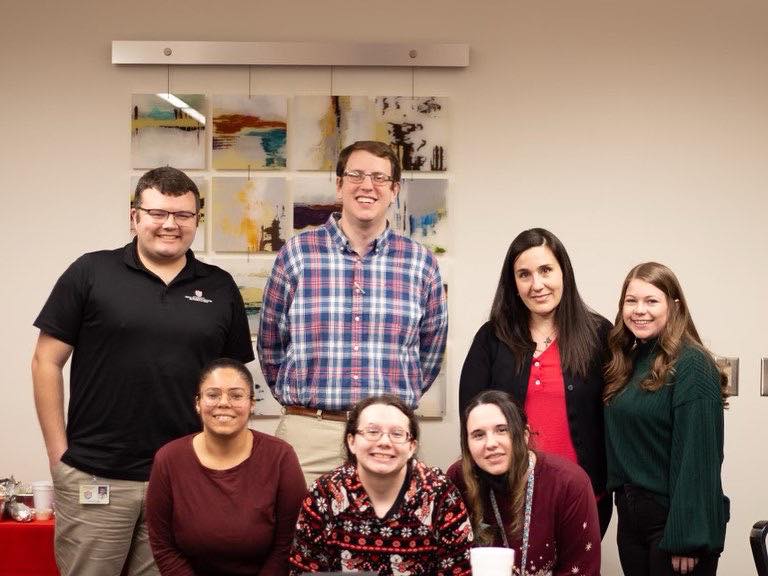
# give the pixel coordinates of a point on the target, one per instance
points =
(545, 342)
(526, 516)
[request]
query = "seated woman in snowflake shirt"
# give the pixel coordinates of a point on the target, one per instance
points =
(539, 504)
(383, 511)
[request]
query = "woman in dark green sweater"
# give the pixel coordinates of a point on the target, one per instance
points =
(664, 400)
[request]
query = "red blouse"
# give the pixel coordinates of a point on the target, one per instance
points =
(545, 406)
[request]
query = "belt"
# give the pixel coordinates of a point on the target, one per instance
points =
(335, 415)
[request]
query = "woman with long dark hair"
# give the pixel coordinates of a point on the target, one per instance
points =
(538, 504)
(544, 346)
(664, 402)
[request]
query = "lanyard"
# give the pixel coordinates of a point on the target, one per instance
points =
(527, 516)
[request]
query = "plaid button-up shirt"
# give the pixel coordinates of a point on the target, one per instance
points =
(337, 327)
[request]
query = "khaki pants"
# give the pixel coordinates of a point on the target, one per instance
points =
(318, 443)
(99, 540)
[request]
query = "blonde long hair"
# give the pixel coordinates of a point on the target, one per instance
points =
(516, 475)
(678, 332)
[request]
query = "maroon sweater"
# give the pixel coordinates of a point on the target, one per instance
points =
(215, 522)
(565, 534)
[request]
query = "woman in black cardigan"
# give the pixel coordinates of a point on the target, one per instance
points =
(545, 347)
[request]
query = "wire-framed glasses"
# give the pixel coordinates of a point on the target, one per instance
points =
(358, 176)
(396, 435)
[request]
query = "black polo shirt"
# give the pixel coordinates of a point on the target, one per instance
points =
(139, 346)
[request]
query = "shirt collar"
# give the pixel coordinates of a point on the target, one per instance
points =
(192, 268)
(337, 234)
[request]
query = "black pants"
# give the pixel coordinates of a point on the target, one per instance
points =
(641, 526)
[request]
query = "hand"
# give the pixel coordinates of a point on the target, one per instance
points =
(684, 564)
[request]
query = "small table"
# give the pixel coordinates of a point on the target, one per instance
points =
(26, 548)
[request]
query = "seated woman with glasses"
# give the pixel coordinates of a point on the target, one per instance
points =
(225, 500)
(383, 511)
(539, 504)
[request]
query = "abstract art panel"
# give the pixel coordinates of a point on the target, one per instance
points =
(314, 200)
(249, 132)
(417, 129)
(250, 276)
(249, 215)
(198, 246)
(420, 212)
(322, 125)
(168, 130)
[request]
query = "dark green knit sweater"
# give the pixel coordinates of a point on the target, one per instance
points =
(670, 442)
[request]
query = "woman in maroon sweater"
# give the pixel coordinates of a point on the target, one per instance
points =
(224, 501)
(540, 505)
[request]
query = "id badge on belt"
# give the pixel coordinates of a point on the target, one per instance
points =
(94, 493)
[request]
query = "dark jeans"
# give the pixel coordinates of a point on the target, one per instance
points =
(641, 526)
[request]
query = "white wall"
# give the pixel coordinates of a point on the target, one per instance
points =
(634, 130)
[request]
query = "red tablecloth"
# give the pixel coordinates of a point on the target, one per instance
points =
(26, 548)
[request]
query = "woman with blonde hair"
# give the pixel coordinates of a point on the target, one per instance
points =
(664, 400)
(541, 505)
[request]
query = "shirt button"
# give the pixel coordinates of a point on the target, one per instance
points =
(537, 364)
(355, 348)
(570, 386)
(357, 318)
(355, 376)
(537, 382)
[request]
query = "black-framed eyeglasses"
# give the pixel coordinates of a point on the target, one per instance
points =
(396, 435)
(180, 216)
(358, 176)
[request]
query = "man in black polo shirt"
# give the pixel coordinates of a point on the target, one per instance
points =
(139, 323)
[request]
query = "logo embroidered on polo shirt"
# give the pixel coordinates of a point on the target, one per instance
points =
(198, 297)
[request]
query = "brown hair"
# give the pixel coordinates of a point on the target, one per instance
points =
(518, 470)
(353, 419)
(168, 181)
(379, 149)
(678, 332)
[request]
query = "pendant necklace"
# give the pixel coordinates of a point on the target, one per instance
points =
(546, 342)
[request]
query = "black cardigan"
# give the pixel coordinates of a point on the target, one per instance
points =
(490, 366)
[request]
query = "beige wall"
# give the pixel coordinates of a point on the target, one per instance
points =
(635, 130)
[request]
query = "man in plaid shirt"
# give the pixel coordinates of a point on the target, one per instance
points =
(351, 310)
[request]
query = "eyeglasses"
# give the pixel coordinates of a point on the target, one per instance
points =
(181, 216)
(213, 396)
(377, 178)
(396, 435)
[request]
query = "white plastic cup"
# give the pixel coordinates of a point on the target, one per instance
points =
(42, 494)
(492, 561)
